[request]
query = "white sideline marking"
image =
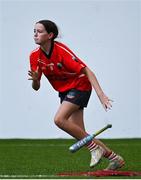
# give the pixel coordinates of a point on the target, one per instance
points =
(59, 145)
(28, 176)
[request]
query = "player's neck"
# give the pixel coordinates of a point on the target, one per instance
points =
(47, 47)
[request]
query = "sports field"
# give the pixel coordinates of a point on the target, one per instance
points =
(48, 159)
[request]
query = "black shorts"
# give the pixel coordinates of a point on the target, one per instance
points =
(80, 98)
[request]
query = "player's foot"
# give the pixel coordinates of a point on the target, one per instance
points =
(96, 155)
(115, 164)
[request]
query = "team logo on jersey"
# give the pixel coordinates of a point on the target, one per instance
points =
(59, 65)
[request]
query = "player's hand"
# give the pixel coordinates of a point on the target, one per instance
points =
(105, 101)
(34, 75)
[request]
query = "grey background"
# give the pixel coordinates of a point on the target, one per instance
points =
(105, 34)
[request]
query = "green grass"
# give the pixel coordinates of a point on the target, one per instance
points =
(50, 157)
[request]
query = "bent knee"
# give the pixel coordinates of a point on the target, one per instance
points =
(59, 121)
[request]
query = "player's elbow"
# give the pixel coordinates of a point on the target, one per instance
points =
(36, 85)
(36, 88)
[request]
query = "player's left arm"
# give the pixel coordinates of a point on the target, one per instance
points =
(106, 102)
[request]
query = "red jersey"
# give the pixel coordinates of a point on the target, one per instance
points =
(61, 67)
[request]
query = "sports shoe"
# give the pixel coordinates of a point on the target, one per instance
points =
(115, 164)
(96, 155)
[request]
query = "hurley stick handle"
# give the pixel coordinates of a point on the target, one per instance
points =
(87, 139)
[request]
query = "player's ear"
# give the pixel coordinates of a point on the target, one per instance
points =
(51, 35)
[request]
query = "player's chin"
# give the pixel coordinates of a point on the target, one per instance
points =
(38, 43)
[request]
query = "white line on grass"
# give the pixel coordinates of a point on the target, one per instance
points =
(28, 176)
(35, 145)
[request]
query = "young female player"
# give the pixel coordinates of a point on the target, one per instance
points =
(74, 80)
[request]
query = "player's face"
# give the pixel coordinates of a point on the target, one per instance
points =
(41, 36)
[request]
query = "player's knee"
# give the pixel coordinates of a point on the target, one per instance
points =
(59, 121)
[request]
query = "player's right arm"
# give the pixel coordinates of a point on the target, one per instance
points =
(35, 72)
(34, 76)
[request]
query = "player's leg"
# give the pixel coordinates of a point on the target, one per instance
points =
(70, 119)
(71, 101)
(116, 161)
(66, 119)
(64, 112)
(77, 118)
(97, 152)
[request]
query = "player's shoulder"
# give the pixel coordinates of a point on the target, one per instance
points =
(35, 52)
(60, 44)
(63, 47)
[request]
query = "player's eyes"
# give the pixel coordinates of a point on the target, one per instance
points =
(37, 31)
